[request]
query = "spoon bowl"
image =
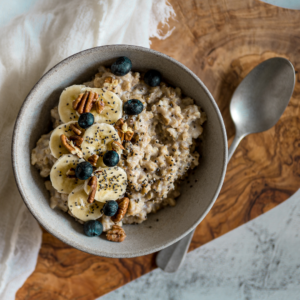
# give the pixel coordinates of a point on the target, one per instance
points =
(262, 96)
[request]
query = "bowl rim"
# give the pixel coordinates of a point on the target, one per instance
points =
(49, 73)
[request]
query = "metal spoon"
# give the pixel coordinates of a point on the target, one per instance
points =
(256, 106)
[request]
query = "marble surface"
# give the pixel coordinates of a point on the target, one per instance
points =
(259, 260)
(290, 4)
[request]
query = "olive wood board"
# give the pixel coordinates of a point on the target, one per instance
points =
(221, 41)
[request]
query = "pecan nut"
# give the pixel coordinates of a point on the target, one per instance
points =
(82, 102)
(89, 103)
(123, 207)
(99, 106)
(85, 101)
(76, 139)
(64, 141)
(75, 129)
(93, 184)
(116, 234)
(70, 146)
(93, 160)
(78, 100)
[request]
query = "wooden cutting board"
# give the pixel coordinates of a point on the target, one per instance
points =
(221, 41)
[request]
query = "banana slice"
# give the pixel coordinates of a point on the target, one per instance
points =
(112, 105)
(56, 147)
(58, 175)
(80, 208)
(98, 139)
(113, 109)
(65, 106)
(111, 184)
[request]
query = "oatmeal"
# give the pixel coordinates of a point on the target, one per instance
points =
(137, 155)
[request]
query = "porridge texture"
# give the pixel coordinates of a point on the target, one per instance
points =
(157, 155)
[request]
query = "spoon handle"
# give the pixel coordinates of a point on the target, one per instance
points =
(237, 139)
(171, 258)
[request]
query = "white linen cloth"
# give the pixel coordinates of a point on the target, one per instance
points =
(31, 44)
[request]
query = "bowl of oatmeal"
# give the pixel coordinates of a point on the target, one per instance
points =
(119, 151)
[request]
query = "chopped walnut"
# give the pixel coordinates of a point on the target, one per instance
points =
(128, 132)
(118, 127)
(116, 234)
(124, 131)
(119, 123)
(108, 80)
(116, 145)
(126, 86)
(115, 82)
(123, 206)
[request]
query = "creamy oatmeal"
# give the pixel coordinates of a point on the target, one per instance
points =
(155, 148)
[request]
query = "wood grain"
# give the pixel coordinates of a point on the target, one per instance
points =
(221, 41)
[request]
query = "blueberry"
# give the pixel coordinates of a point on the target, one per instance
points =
(111, 158)
(152, 78)
(110, 208)
(92, 228)
(133, 107)
(121, 66)
(86, 120)
(84, 170)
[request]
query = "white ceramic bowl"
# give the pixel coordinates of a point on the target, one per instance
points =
(174, 222)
